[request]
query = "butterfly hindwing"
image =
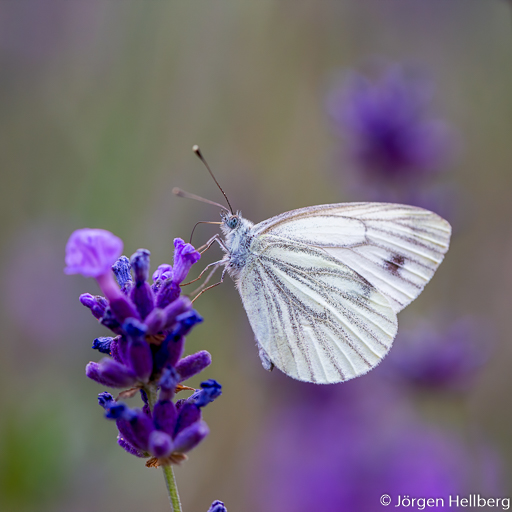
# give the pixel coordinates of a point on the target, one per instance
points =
(397, 248)
(316, 319)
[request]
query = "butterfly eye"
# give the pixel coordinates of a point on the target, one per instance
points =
(233, 222)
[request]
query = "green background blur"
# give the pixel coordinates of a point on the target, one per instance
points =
(100, 104)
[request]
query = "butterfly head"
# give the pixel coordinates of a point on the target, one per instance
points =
(234, 223)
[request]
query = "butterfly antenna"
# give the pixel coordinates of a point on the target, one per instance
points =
(181, 193)
(197, 151)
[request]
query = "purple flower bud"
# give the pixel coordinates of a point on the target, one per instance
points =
(178, 312)
(190, 437)
(140, 264)
(155, 321)
(185, 322)
(92, 252)
(136, 427)
(141, 426)
(189, 413)
(96, 303)
(123, 443)
(140, 359)
(168, 292)
(102, 344)
(134, 329)
(211, 390)
(104, 399)
(184, 257)
(126, 432)
(110, 322)
(168, 382)
(165, 416)
(123, 308)
(138, 356)
(143, 297)
(115, 349)
(217, 506)
(122, 272)
(169, 352)
(160, 444)
(193, 364)
(111, 373)
(163, 272)
(118, 410)
(161, 319)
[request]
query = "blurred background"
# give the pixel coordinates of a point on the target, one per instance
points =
(293, 104)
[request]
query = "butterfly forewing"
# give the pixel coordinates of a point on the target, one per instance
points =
(397, 248)
(316, 318)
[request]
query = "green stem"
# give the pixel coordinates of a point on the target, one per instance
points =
(172, 489)
(151, 394)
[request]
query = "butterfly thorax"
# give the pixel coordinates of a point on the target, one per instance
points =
(238, 238)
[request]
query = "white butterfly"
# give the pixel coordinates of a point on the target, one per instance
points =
(322, 285)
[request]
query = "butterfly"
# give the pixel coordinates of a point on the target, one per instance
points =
(322, 285)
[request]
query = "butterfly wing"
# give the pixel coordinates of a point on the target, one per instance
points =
(315, 318)
(397, 248)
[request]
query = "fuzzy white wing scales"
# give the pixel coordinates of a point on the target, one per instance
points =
(397, 248)
(317, 320)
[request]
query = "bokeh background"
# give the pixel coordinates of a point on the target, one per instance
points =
(100, 104)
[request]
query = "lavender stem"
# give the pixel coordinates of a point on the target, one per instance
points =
(170, 481)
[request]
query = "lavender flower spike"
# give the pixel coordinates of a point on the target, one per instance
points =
(150, 322)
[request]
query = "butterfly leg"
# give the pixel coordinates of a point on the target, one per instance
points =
(215, 265)
(207, 245)
(216, 284)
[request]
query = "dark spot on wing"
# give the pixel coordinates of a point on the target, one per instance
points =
(394, 264)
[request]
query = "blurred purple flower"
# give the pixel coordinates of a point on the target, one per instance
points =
(343, 447)
(387, 126)
(429, 357)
